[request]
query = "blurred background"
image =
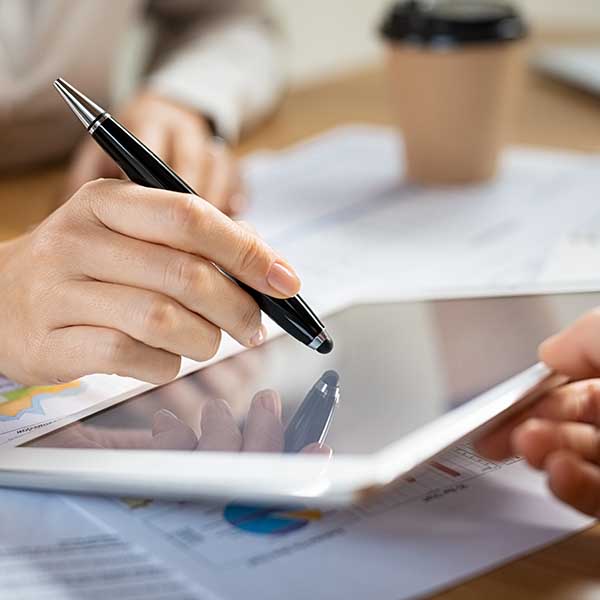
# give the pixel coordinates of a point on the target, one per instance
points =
(328, 37)
(342, 33)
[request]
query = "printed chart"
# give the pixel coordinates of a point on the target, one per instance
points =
(28, 412)
(237, 533)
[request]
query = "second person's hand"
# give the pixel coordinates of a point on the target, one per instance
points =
(182, 138)
(560, 433)
(121, 280)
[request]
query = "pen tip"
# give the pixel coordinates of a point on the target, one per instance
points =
(330, 377)
(326, 346)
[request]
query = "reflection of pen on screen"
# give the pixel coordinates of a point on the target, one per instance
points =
(312, 420)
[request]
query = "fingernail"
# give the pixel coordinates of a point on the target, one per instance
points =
(164, 420)
(218, 406)
(259, 337)
(270, 402)
(283, 279)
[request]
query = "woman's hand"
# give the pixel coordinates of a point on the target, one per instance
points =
(121, 280)
(561, 432)
(182, 138)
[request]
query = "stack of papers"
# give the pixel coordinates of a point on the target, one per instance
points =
(354, 228)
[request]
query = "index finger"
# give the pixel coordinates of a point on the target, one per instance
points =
(189, 223)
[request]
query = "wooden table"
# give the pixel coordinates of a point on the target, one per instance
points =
(551, 114)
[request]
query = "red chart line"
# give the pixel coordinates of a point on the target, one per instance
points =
(444, 469)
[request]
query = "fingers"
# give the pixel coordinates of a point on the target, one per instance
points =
(194, 282)
(72, 352)
(220, 432)
(171, 433)
(150, 318)
(497, 444)
(71, 436)
(207, 166)
(263, 431)
(578, 402)
(186, 222)
(231, 377)
(536, 439)
(224, 186)
(576, 350)
(154, 135)
(574, 481)
(191, 157)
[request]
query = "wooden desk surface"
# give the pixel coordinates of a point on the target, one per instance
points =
(551, 114)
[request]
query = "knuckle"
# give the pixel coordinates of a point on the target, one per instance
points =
(249, 319)
(114, 347)
(251, 258)
(187, 212)
(186, 275)
(92, 188)
(588, 403)
(210, 343)
(160, 315)
(90, 193)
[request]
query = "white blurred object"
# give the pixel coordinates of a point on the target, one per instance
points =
(577, 65)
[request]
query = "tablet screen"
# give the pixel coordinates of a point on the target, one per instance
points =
(394, 368)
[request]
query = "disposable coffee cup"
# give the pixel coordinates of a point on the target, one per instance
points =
(455, 68)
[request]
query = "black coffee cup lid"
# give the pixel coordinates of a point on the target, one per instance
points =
(452, 22)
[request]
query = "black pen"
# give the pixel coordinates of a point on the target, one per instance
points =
(143, 167)
(310, 424)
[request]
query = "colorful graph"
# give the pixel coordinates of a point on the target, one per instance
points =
(270, 520)
(16, 400)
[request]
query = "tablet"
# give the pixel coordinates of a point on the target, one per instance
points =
(406, 381)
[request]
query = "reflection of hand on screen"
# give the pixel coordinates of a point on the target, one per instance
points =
(262, 432)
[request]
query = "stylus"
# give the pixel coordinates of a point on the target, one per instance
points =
(312, 420)
(145, 168)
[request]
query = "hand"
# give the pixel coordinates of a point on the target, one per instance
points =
(182, 138)
(561, 432)
(263, 431)
(121, 280)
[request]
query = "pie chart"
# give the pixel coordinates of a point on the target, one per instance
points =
(269, 520)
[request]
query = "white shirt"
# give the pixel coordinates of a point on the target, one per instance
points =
(220, 57)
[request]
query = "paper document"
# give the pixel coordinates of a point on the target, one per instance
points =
(52, 550)
(356, 231)
(337, 208)
(457, 517)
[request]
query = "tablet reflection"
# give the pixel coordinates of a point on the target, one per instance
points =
(218, 429)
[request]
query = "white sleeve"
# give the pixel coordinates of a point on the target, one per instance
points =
(221, 57)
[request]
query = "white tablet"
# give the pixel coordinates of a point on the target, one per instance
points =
(406, 381)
